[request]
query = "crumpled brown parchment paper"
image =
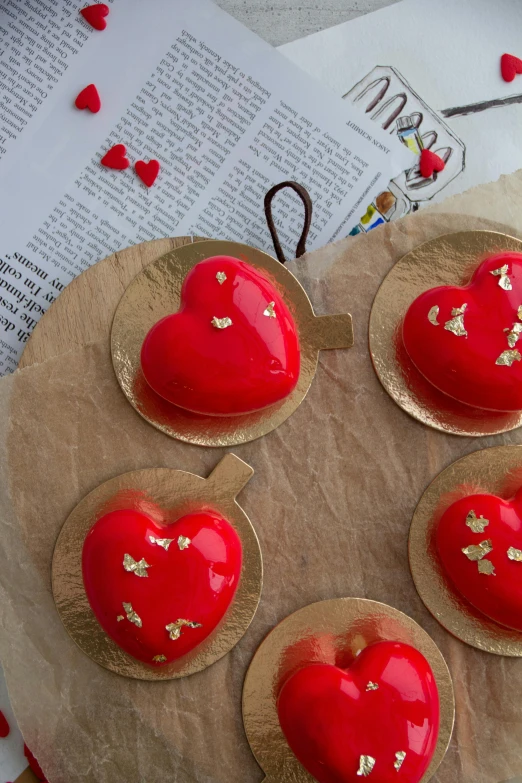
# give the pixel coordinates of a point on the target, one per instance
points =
(331, 500)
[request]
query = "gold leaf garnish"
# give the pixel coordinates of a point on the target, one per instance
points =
(131, 615)
(477, 524)
(221, 277)
(164, 542)
(184, 542)
(507, 358)
(519, 313)
(456, 324)
(399, 758)
(515, 554)
(221, 323)
(514, 334)
(366, 765)
(159, 658)
(486, 567)
(478, 551)
(119, 618)
(372, 686)
(174, 629)
(270, 312)
(138, 568)
(502, 273)
(432, 315)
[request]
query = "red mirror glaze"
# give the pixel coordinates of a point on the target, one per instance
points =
(492, 579)
(193, 581)
(465, 366)
(331, 717)
(219, 368)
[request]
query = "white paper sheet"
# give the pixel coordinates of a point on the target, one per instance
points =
(438, 63)
(226, 116)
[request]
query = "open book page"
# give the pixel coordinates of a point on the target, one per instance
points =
(429, 73)
(225, 114)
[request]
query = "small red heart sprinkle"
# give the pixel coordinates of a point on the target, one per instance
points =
(430, 162)
(510, 66)
(35, 767)
(95, 15)
(88, 98)
(115, 158)
(4, 725)
(147, 172)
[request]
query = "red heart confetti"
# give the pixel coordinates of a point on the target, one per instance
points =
(233, 346)
(159, 589)
(463, 339)
(88, 98)
(35, 767)
(430, 163)
(510, 66)
(115, 158)
(4, 725)
(95, 15)
(378, 718)
(479, 540)
(147, 172)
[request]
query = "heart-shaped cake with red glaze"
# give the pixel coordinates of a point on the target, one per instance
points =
(379, 718)
(232, 348)
(479, 541)
(464, 339)
(160, 590)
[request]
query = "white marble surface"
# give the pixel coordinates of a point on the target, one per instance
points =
(280, 21)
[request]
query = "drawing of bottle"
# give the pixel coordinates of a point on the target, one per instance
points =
(408, 133)
(377, 213)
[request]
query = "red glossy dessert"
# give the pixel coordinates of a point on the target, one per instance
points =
(479, 541)
(464, 340)
(379, 718)
(232, 347)
(159, 591)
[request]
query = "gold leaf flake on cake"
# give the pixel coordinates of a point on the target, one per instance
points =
(478, 551)
(163, 542)
(503, 278)
(477, 524)
(486, 567)
(399, 759)
(174, 629)
(270, 312)
(372, 686)
(221, 277)
(519, 313)
(132, 616)
(119, 618)
(366, 765)
(159, 658)
(456, 324)
(221, 323)
(135, 567)
(515, 554)
(507, 358)
(184, 542)
(432, 315)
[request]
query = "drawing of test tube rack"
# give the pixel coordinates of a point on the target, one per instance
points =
(387, 97)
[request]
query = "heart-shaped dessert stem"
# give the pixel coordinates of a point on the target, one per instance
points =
(479, 541)
(379, 718)
(159, 590)
(232, 347)
(464, 339)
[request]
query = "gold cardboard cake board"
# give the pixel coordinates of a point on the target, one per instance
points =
(331, 632)
(497, 471)
(155, 293)
(450, 259)
(176, 493)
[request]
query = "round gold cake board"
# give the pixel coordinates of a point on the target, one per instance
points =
(155, 293)
(176, 493)
(497, 471)
(330, 632)
(447, 260)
